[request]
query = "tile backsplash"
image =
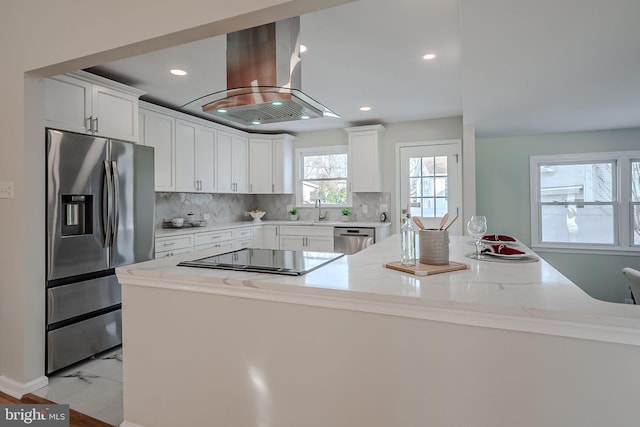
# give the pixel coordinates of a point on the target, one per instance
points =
(224, 208)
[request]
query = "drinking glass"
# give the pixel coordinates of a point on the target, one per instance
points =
(476, 227)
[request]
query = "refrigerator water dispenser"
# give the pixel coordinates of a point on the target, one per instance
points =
(77, 214)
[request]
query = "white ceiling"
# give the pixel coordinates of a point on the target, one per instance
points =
(510, 67)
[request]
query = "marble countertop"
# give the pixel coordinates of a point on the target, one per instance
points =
(167, 232)
(531, 297)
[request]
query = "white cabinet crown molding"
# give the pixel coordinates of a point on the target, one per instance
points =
(102, 81)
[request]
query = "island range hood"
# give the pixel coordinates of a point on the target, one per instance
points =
(263, 79)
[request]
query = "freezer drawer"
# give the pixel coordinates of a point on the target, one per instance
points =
(76, 342)
(68, 301)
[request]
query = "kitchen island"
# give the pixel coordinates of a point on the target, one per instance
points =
(354, 343)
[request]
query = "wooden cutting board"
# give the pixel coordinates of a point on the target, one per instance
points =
(426, 269)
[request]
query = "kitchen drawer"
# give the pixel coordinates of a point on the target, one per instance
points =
(67, 301)
(223, 245)
(243, 243)
(212, 237)
(297, 230)
(164, 244)
(163, 254)
(243, 233)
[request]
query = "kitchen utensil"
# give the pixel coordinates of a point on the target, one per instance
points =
(418, 222)
(443, 221)
(451, 223)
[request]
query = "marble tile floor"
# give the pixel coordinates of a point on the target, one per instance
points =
(93, 387)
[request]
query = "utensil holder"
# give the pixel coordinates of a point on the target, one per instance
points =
(434, 246)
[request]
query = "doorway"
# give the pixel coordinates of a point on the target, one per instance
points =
(430, 181)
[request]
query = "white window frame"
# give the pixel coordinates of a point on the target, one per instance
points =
(623, 229)
(319, 151)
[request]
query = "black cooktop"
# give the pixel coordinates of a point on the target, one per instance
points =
(274, 261)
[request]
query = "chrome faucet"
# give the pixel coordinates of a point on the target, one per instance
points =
(319, 206)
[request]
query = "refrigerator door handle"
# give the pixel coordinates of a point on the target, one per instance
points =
(106, 225)
(116, 196)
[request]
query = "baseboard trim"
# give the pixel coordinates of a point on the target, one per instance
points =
(128, 424)
(17, 390)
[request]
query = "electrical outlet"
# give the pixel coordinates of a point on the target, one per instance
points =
(384, 207)
(6, 189)
(289, 207)
(206, 216)
(365, 209)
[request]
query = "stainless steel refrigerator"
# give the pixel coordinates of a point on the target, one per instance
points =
(100, 215)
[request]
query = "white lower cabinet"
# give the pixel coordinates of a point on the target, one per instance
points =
(267, 237)
(214, 239)
(300, 238)
(243, 237)
(169, 246)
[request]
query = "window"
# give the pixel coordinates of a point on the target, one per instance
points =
(323, 174)
(428, 186)
(586, 201)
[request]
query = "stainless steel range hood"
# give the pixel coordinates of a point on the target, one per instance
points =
(263, 79)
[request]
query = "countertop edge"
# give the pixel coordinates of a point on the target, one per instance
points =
(169, 232)
(457, 315)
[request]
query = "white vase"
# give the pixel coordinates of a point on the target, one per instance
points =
(293, 217)
(344, 218)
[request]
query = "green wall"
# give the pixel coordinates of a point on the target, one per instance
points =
(502, 186)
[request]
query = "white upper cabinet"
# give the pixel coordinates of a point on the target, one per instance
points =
(158, 131)
(232, 163)
(283, 164)
(84, 103)
(365, 157)
(195, 157)
(260, 166)
(271, 165)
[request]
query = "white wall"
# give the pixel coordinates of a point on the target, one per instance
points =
(412, 131)
(49, 38)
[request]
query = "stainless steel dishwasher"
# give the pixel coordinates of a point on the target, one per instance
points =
(350, 240)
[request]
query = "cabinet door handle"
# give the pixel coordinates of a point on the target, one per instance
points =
(273, 188)
(250, 188)
(169, 244)
(90, 124)
(96, 119)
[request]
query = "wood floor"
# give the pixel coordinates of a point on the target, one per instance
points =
(77, 419)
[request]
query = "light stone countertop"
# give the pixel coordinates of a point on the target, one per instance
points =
(168, 232)
(532, 297)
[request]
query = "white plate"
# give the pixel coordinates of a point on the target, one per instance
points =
(499, 242)
(514, 256)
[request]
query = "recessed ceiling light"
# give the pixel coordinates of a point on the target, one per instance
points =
(255, 122)
(365, 108)
(178, 72)
(222, 110)
(276, 103)
(304, 117)
(429, 56)
(303, 48)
